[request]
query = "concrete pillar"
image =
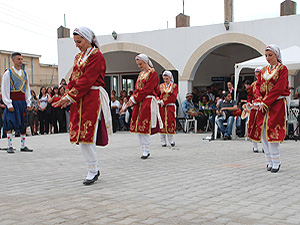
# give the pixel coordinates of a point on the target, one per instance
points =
(228, 10)
(63, 32)
(182, 20)
(287, 8)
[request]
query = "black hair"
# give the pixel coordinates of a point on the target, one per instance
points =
(15, 54)
(247, 82)
(226, 93)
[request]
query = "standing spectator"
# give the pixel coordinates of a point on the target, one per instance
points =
(122, 114)
(16, 97)
(49, 112)
(115, 104)
(43, 103)
(209, 93)
(268, 123)
(230, 88)
(57, 111)
(195, 94)
(62, 82)
(2, 107)
(65, 123)
(33, 117)
(224, 111)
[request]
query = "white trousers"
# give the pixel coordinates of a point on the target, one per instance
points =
(163, 139)
(90, 155)
(271, 151)
(144, 140)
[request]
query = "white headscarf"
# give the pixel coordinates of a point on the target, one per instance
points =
(276, 50)
(257, 69)
(145, 59)
(168, 73)
(88, 35)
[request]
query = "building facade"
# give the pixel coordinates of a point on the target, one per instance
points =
(200, 55)
(38, 74)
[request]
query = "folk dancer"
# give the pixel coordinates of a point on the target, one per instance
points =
(16, 96)
(145, 119)
(167, 95)
(268, 125)
(250, 99)
(90, 118)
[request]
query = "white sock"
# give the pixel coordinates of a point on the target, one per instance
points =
(9, 139)
(23, 140)
(91, 175)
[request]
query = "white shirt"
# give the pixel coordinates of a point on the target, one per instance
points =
(6, 89)
(116, 103)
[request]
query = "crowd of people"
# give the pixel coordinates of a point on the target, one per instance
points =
(43, 118)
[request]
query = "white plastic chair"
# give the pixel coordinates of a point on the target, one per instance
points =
(292, 118)
(188, 124)
(233, 128)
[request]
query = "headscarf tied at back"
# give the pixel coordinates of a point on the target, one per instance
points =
(145, 59)
(168, 73)
(88, 35)
(276, 50)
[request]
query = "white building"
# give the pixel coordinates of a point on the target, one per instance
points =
(201, 55)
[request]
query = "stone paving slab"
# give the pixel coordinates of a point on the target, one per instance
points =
(196, 182)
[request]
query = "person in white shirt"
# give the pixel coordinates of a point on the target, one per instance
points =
(16, 96)
(115, 104)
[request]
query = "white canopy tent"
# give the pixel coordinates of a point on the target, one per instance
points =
(290, 58)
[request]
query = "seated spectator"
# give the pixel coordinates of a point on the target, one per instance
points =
(115, 106)
(123, 124)
(189, 111)
(224, 113)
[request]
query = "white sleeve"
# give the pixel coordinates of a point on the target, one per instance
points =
(6, 89)
(28, 95)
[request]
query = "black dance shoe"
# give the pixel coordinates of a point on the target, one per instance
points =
(25, 149)
(163, 145)
(145, 157)
(275, 170)
(10, 150)
(269, 168)
(173, 144)
(255, 150)
(88, 182)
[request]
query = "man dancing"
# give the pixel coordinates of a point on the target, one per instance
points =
(16, 97)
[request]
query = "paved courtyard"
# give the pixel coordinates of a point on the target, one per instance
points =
(197, 182)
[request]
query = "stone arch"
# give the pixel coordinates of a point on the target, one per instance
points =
(131, 47)
(207, 47)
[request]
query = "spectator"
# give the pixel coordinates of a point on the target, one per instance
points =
(49, 112)
(115, 104)
(211, 96)
(33, 118)
(123, 124)
(2, 107)
(42, 104)
(62, 82)
(230, 88)
(224, 114)
(195, 94)
(189, 111)
(57, 112)
(65, 126)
